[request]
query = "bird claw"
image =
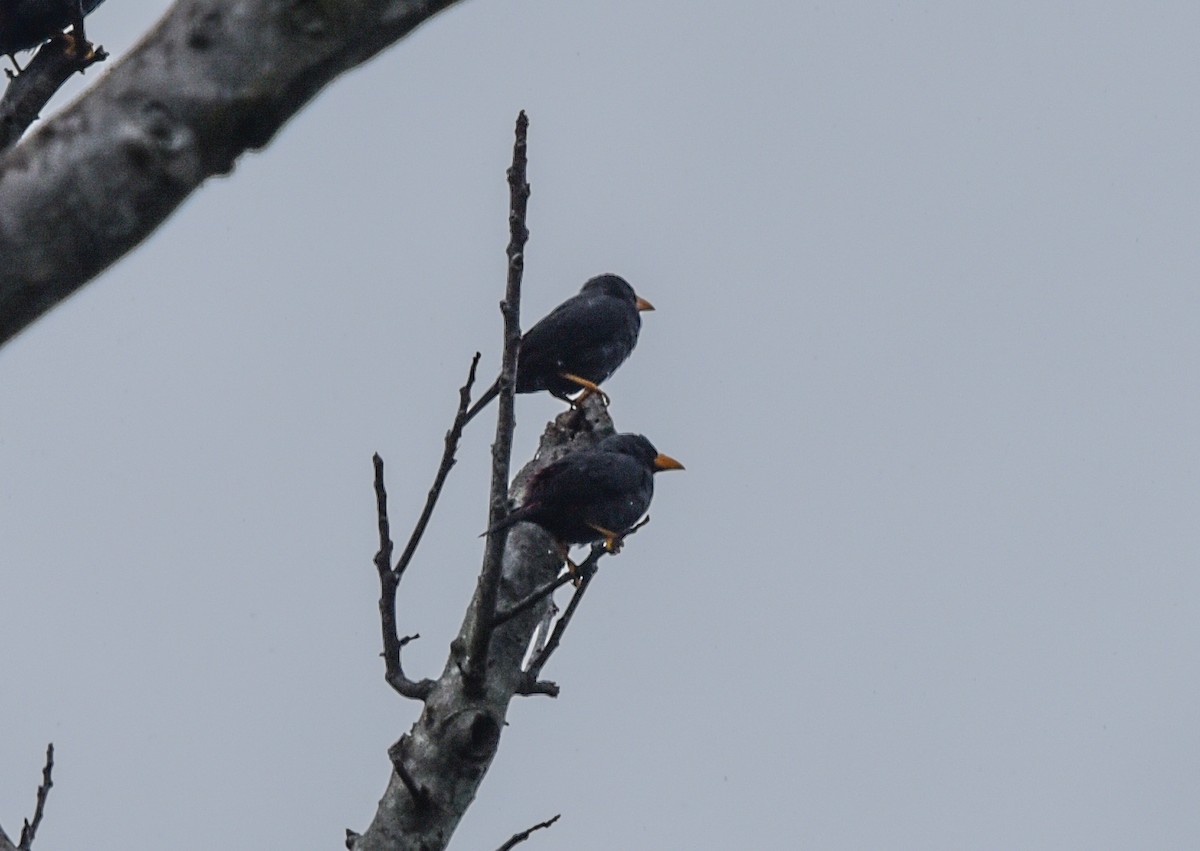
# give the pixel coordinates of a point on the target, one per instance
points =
(589, 388)
(576, 573)
(613, 541)
(78, 48)
(572, 568)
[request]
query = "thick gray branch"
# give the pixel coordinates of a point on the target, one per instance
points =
(443, 758)
(213, 79)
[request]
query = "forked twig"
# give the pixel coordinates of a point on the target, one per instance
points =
(389, 577)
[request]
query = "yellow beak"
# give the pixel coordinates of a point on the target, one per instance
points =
(666, 462)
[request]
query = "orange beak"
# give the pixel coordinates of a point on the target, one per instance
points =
(666, 462)
(642, 304)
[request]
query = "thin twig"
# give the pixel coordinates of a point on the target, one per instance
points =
(29, 91)
(30, 829)
(475, 667)
(586, 571)
(518, 838)
(389, 577)
(448, 460)
(548, 588)
(389, 581)
(536, 596)
(541, 654)
(532, 686)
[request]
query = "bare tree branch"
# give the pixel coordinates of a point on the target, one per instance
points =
(587, 567)
(532, 600)
(209, 82)
(389, 577)
(518, 838)
(587, 571)
(475, 664)
(30, 828)
(583, 574)
(29, 91)
(451, 446)
(389, 581)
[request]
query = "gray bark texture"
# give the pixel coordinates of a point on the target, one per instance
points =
(213, 79)
(439, 764)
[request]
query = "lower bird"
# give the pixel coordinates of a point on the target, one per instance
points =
(580, 343)
(594, 494)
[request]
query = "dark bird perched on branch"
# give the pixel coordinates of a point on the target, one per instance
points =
(578, 344)
(25, 24)
(593, 494)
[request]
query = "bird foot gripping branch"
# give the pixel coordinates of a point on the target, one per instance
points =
(614, 541)
(590, 388)
(78, 48)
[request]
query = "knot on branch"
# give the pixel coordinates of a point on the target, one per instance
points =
(475, 734)
(205, 28)
(159, 144)
(310, 19)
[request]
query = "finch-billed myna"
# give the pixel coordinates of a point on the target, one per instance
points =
(578, 344)
(593, 494)
(24, 24)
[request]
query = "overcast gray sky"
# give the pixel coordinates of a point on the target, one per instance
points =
(926, 340)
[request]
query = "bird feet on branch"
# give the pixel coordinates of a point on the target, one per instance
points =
(564, 552)
(77, 47)
(614, 541)
(589, 388)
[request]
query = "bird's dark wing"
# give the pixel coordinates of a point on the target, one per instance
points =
(587, 336)
(605, 488)
(580, 494)
(553, 489)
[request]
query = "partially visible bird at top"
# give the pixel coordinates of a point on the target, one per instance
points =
(26, 24)
(579, 344)
(593, 494)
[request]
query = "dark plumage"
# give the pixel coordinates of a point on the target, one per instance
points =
(593, 494)
(587, 336)
(25, 24)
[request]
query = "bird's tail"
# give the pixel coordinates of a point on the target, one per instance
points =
(513, 517)
(488, 395)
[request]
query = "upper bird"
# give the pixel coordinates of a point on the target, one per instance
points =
(25, 24)
(593, 494)
(580, 343)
